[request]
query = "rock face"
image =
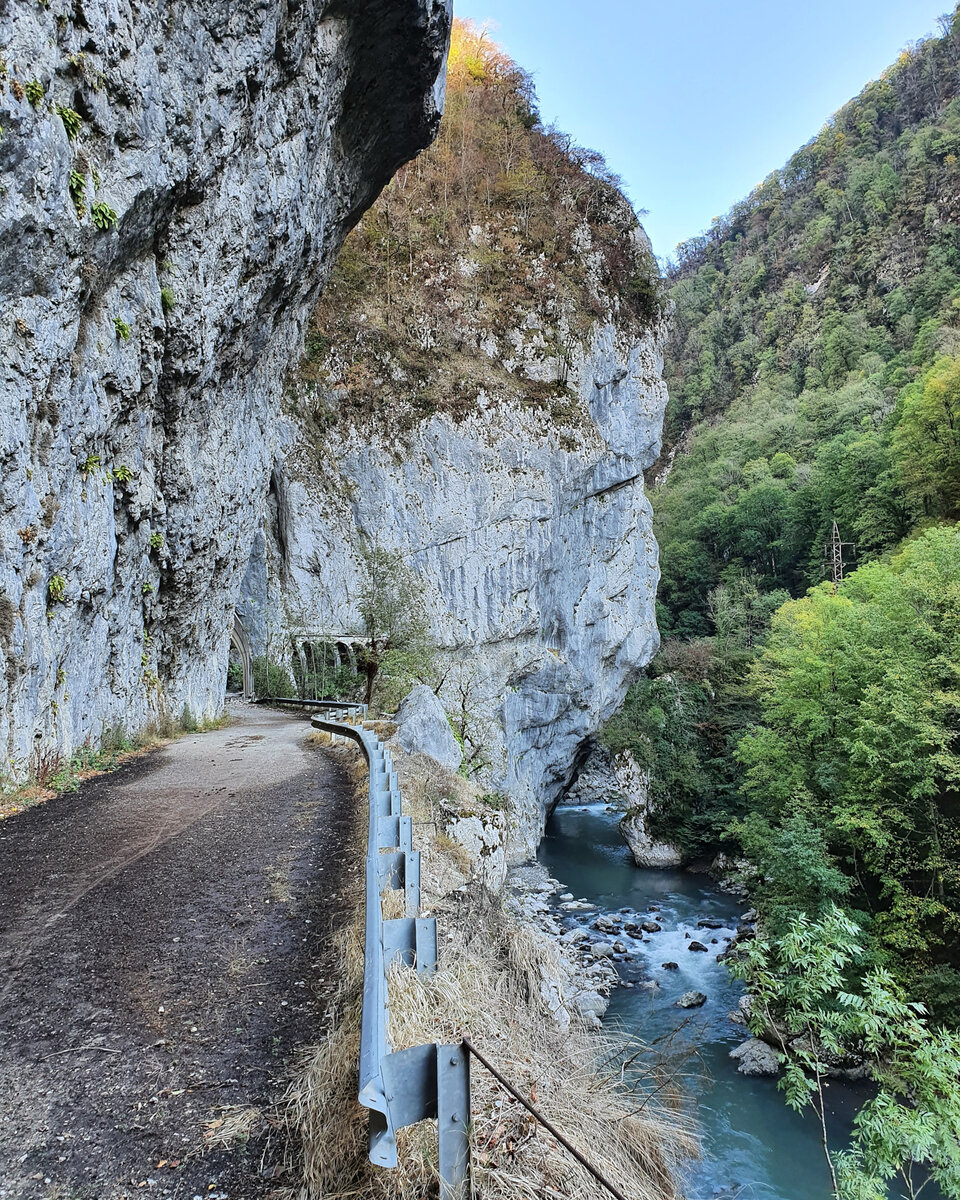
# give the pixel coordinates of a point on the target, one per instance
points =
(423, 728)
(618, 782)
(538, 559)
(597, 782)
(176, 185)
(633, 826)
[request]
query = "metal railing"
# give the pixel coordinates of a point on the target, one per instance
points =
(405, 1086)
(399, 1087)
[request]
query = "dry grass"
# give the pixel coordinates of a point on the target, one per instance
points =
(490, 985)
(234, 1126)
(51, 774)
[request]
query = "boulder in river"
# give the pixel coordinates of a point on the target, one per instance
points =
(709, 923)
(754, 1057)
(650, 927)
(647, 852)
(606, 924)
(601, 950)
(697, 946)
(692, 1000)
(670, 966)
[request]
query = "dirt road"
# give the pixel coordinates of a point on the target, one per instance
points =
(162, 955)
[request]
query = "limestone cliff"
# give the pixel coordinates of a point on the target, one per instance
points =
(177, 182)
(483, 393)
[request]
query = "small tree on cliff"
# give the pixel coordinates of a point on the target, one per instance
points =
(399, 651)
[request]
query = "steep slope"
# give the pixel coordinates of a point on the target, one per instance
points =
(800, 319)
(177, 185)
(482, 395)
(814, 371)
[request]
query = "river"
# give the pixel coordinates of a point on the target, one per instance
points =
(754, 1147)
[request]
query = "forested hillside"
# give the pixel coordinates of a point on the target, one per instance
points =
(814, 375)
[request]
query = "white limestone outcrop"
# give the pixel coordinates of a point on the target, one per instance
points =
(534, 543)
(177, 182)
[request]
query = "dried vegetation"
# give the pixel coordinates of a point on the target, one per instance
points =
(488, 986)
(503, 230)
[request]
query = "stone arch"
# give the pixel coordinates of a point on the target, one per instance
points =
(346, 653)
(241, 643)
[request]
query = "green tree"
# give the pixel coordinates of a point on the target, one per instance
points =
(927, 439)
(801, 986)
(859, 696)
(398, 650)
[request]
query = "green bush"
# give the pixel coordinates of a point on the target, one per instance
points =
(235, 677)
(271, 678)
(103, 216)
(71, 121)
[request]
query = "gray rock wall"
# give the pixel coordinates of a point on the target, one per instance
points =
(226, 148)
(533, 539)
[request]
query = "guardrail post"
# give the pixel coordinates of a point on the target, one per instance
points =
(453, 1121)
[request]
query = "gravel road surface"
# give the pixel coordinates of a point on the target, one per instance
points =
(163, 954)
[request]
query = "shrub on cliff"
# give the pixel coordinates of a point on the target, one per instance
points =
(503, 225)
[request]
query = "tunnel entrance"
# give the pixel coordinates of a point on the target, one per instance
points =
(240, 666)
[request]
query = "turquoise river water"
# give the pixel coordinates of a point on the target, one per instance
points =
(754, 1147)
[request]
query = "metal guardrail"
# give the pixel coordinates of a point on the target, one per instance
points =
(399, 1087)
(406, 1086)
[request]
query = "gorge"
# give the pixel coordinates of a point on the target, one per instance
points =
(404, 405)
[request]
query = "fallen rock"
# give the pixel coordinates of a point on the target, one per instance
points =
(692, 1000)
(697, 946)
(650, 927)
(754, 1057)
(709, 923)
(423, 728)
(647, 852)
(601, 950)
(670, 966)
(619, 948)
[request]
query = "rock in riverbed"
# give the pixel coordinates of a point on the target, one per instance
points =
(692, 1000)
(754, 1057)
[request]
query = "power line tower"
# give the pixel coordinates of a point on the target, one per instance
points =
(833, 556)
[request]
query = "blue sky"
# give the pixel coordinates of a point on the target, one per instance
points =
(694, 101)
